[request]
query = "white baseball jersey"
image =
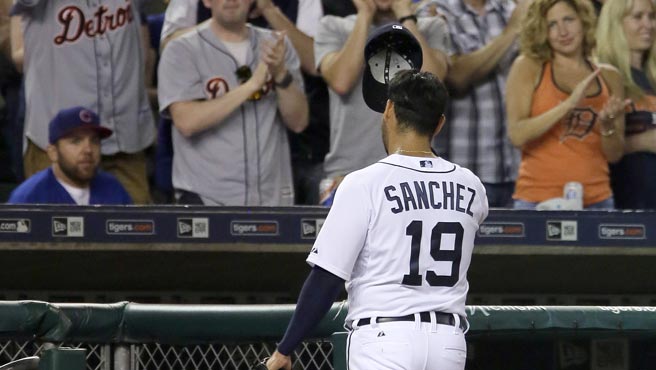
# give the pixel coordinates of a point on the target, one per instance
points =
(401, 233)
(86, 53)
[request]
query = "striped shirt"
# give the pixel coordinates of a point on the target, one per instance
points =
(476, 136)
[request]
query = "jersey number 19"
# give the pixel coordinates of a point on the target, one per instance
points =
(414, 230)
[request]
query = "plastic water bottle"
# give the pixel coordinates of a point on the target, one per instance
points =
(573, 191)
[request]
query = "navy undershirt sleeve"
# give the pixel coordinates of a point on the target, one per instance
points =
(317, 296)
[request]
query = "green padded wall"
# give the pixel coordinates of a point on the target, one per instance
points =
(63, 359)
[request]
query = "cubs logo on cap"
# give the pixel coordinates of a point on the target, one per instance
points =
(68, 120)
(390, 49)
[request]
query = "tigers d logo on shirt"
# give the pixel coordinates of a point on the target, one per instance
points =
(579, 123)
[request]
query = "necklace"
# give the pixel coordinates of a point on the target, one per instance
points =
(414, 151)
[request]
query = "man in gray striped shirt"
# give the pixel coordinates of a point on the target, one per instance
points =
(483, 34)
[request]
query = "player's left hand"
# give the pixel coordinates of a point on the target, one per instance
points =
(279, 361)
(273, 55)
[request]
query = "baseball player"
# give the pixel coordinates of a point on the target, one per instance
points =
(400, 232)
(230, 103)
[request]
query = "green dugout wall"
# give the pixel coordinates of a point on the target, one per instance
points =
(129, 336)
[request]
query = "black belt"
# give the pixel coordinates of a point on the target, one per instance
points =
(440, 318)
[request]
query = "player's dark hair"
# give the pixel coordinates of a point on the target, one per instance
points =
(419, 100)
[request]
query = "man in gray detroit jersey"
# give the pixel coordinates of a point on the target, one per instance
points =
(400, 233)
(231, 89)
(338, 44)
(88, 53)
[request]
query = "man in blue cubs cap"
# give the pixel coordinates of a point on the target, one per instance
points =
(74, 137)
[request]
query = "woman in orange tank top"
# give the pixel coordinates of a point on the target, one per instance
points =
(626, 35)
(564, 113)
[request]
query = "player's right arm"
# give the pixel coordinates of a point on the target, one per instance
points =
(333, 257)
(342, 68)
(181, 92)
(319, 292)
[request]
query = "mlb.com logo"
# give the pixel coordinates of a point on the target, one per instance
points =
(196, 227)
(310, 227)
(68, 226)
(18, 226)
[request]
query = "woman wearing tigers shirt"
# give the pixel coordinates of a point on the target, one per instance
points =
(626, 34)
(564, 113)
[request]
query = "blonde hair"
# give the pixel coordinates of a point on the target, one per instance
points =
(613, 47)
(533, 41)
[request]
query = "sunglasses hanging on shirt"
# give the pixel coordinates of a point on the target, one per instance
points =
(244, 73)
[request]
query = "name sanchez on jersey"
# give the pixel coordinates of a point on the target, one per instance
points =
(446, 195)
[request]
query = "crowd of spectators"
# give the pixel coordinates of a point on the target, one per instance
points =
(259, 102)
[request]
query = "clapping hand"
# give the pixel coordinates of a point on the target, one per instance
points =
(612, 109)
(273, 55)
(579, 91)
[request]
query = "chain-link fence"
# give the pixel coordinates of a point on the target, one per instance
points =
(314, 355)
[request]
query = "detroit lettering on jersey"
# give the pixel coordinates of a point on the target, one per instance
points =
(75, 23)
(217, 86)
(447, 195)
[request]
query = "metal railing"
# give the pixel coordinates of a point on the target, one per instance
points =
(127, 336)
(312, 355)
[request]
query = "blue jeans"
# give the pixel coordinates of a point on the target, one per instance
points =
(608, 203)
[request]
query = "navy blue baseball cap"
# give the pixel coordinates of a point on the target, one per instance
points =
(390, 49)
(68, 120)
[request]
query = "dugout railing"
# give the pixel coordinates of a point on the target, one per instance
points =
(129, 336)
